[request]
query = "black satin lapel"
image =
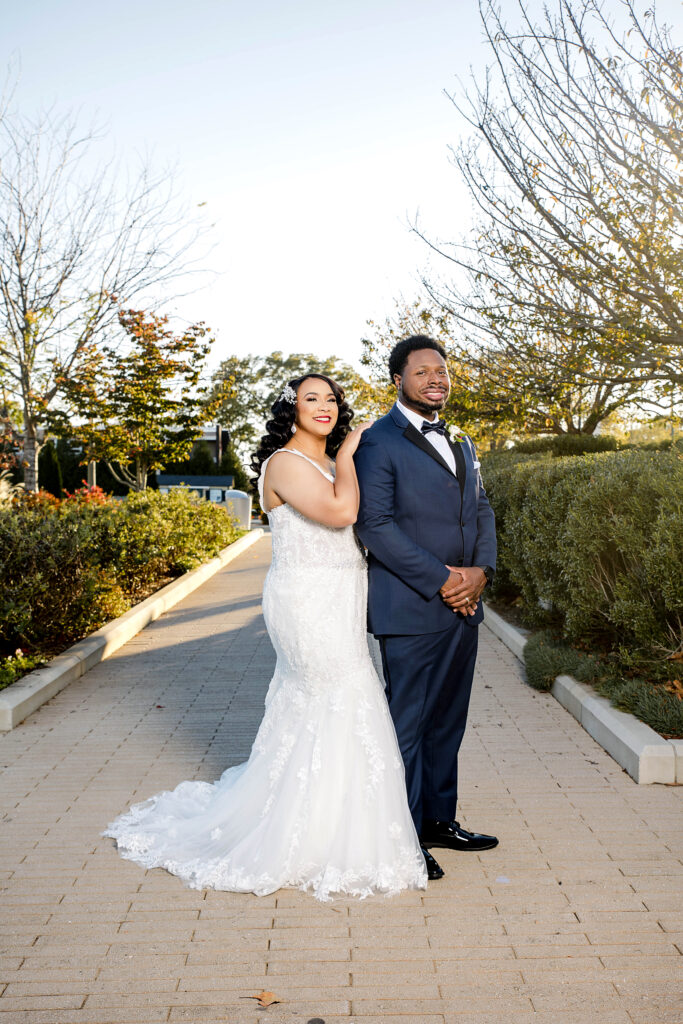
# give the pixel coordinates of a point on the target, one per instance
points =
(414, 435)
(460, 464)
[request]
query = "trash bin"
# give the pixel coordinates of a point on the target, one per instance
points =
(238, 505)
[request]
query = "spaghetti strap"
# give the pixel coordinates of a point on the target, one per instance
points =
(293, 451)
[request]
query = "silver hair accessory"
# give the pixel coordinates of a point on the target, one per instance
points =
(288, 394)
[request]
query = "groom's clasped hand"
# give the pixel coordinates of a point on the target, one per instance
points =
(463, 588)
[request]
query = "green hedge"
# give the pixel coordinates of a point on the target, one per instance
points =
(594, 548)
(68, 567)
(567, 444)
(585, 444)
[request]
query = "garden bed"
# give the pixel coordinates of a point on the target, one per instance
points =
(31, 691)
(639, 749)
(591, 559)
(68, 567)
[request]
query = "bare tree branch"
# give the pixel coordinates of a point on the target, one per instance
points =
(575, 169)
(75, 243)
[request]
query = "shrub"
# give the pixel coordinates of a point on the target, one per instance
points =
(621, 551)
(543, 661)
(666, 445)
(17, 665)
(164, 535)
(594, 547)
(528, 525)
(545, 658)
(598, 538)
(583, 444)
(567, 444)
(8, 488)
(68, 567)
(51, 586)
(532, 446)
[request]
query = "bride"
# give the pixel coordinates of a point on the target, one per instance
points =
(321, 803)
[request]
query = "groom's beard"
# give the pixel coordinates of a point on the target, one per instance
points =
(427, 409)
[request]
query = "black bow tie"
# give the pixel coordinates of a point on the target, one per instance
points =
(438, 425)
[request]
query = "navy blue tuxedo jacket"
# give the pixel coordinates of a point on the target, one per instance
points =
(416, 517)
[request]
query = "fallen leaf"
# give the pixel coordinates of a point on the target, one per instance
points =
(676, 687)
(264, 998)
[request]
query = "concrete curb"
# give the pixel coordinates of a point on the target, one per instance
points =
(18, 700)
(640, 751)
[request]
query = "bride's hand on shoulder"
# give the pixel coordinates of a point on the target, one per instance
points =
(352, 439)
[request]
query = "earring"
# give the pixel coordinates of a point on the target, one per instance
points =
(294, 428)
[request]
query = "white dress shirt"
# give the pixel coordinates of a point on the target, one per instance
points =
(438, 440)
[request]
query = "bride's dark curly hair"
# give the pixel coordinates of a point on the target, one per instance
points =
(279, 428)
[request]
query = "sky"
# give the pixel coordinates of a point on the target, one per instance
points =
(312, 134)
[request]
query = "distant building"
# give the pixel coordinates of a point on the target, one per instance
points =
(211, 488)
(218, 440)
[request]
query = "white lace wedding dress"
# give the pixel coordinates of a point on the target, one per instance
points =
(321, 802)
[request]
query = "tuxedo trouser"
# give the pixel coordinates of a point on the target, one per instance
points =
(428, 685)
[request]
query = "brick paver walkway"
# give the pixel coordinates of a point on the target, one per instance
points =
(577, 917)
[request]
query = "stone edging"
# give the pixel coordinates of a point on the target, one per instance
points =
(18, 700)
(642, 752)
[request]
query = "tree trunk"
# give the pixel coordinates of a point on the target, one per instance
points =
(122, 475)
(29, 459)
(140, 474)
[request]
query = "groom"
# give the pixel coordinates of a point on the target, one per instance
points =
(430, 533)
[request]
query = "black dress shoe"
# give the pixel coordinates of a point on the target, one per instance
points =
(450, 836)
(434, 870)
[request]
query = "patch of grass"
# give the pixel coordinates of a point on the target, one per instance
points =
(661, 710)
(545, 658)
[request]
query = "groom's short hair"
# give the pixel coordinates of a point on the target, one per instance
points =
(402, 349)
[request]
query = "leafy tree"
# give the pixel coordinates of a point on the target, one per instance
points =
(202, 463)
(143, 407)
(72, 247)
(49, 471)
(8, 445)
(490, 413)
(574, 267)
(244, 389)
(231, 466)
(201, 460)
(70, 456)
(415, 318)
(10, 418)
